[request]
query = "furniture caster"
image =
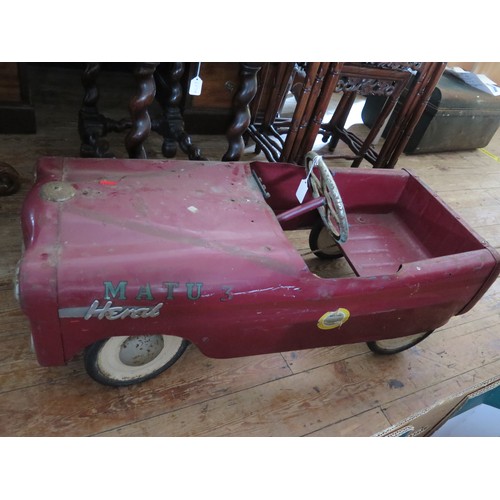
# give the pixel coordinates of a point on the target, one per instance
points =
(9, 180)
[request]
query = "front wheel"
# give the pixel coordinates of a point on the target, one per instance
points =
(121, 361)
(393, 346)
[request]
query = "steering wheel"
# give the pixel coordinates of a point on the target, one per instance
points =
(332, 212)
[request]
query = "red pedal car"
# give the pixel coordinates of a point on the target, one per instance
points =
(130, 260)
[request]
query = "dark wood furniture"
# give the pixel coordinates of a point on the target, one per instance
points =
(170, 125)
(247, 90)
(412, 109)
(210, 112)
(351, 79)
(164, 83)
(152, 81)
(17, 113)
(93, 126)
(17, 116)
(354, 80)
(267, 126)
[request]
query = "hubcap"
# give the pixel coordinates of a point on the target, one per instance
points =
(137, 351)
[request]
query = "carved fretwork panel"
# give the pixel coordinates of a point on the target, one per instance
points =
(378, 82)
(403, 66)
(365, 86)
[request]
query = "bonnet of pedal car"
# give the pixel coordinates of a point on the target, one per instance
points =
(142, 219)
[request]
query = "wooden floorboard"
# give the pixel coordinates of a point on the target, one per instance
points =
(336, 391)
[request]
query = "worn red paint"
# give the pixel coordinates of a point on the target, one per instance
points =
(195, 250)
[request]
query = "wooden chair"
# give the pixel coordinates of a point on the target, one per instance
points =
(267, 126)
(413, 106)
(364, 79)
(350, 79)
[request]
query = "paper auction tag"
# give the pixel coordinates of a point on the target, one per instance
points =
(196, 83)
(195, 86)
(303, 187)
(302, 190)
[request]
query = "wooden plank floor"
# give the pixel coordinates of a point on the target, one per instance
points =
(337, 391)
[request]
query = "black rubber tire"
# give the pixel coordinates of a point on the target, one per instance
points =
(319, 231)
(95, 369)
(378, 348)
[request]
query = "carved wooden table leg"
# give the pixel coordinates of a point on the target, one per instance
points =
(241, 101)
(171, 125)
(141, 123)
(91, 124)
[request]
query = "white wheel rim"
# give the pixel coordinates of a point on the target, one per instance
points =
(127, 358)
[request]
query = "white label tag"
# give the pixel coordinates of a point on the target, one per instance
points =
(303, 187)
(302, 190)
(195, 86)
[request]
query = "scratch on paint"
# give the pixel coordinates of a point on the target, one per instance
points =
(270, 289)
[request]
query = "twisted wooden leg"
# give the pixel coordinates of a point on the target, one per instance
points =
(241, 101)
(171, 124)
(91, 124)
(141, 122)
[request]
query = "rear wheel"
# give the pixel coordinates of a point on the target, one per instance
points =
(322, 244)
(120, 361)
(393, 346)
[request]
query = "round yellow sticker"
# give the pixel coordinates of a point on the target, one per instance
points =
(333, 319)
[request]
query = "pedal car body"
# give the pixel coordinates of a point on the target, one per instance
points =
(198, 252)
